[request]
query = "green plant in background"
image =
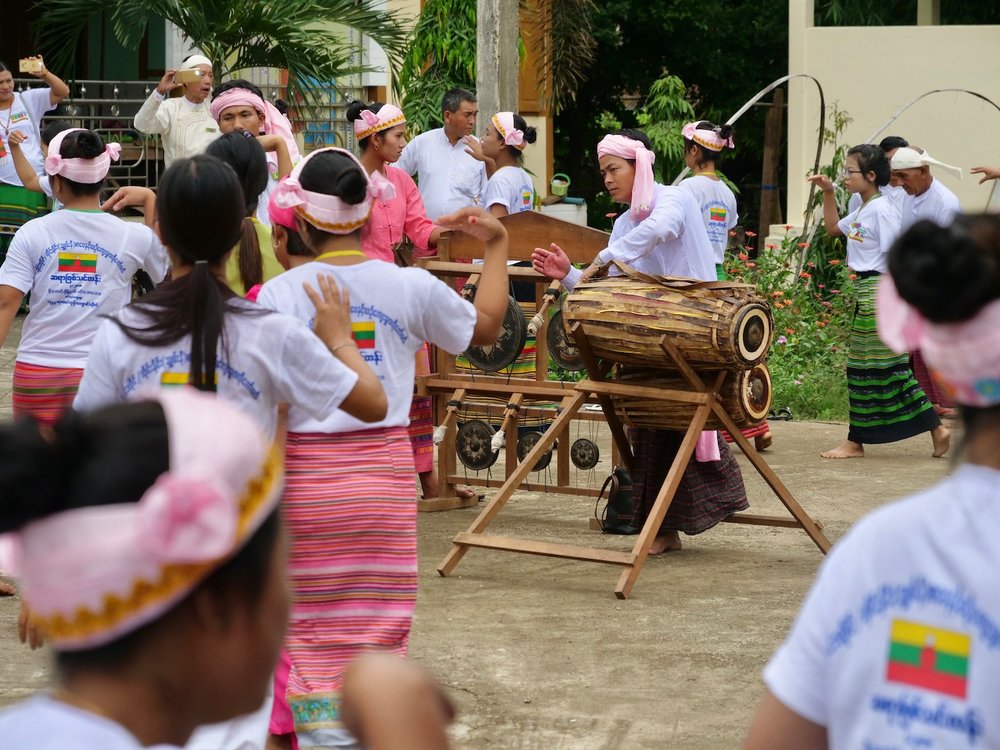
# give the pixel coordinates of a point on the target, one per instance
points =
(442, 55)
(812, 309)
(295, 35)
(661, 117)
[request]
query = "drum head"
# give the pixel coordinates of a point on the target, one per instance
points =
(472, 443)
(584, 454)
(509, 344)
(756, 384)
(526, 442)
(753, 334)
(562, 348)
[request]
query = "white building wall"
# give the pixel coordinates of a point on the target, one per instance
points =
(871, 72)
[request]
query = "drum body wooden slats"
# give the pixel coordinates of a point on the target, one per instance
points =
(718, 325)
(745, 394)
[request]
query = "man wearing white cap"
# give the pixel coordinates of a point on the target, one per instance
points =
(926, 198)
(185, 124)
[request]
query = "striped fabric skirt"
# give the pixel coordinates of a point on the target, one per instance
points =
(350, 507)
(44, 392)
(18, 205)
(709, 492)
(925, 379)
(422, 418)
(886, 403)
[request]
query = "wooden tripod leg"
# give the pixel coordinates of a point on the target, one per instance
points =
(596, 374)
(663, 500)
(509, 417)
(569, 407)
(768, 475)
(446, 457)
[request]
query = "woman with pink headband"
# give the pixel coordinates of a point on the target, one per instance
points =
(898, 642)
(661, 233)
(238, 105)
(381, 133)
(351, 497)
(78, 265)
(509, 190)
(140, 527)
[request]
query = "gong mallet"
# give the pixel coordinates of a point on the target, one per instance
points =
(550, 295)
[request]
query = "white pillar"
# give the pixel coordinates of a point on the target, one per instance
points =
(803, 104)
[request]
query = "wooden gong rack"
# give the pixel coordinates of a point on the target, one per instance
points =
(519, 396)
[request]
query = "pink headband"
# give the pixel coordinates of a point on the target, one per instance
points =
(284, 217)
(86, 171)
(504, 123)
(274, 121)
(965, 356)
(91, 575)
(369, 122)
(642, 188)
(707, 137)
(328, 212)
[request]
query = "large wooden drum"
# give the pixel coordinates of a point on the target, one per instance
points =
(745, 395)
(716, 325)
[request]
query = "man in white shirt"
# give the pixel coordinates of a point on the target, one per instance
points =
(926, 198)
(450, 176)
(184, 124)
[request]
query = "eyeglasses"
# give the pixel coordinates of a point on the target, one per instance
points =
(848, 172)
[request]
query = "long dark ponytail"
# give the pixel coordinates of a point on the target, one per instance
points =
(242, 152)
(200, 211)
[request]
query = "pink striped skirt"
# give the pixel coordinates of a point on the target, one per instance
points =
(44, 392)
(350, 506)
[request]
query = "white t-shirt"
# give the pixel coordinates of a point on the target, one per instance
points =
(870, 232)
(671, 241)
(78, 266)
(894, 194)
(449, 178)
(937, 203)
(511, 188)
(898, 642)
(25, 117)
(42, 723)
(718, 210)
(393, 311)
(267, 358)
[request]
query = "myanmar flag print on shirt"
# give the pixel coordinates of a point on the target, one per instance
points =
(77, 262)
(717, 214)
(364, 335)
(927, 657)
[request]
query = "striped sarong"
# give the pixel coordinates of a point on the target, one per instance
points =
(422, 417)
(44, 392)
(18, 205)
(886, 403)
(925, 379)
(350, 506)
(709, 492)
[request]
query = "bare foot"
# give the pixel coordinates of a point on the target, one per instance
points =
(464, 492)
(847, 449)
(941, 436)
(668, 541)
(763, 442)
(7, 589)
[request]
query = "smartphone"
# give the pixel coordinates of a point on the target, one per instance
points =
(187, 75)
(30, 65)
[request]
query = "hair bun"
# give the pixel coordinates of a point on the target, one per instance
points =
(32, 475)
(948, 273)
(530, 134)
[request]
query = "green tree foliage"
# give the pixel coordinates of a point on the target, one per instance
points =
(725, 51)
(442, 55)
(901, 12)
(291, 34)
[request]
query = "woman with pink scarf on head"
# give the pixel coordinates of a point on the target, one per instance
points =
(898, 642)
(661, 233)
(509, 189)
(238, 105)
(380, 130)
